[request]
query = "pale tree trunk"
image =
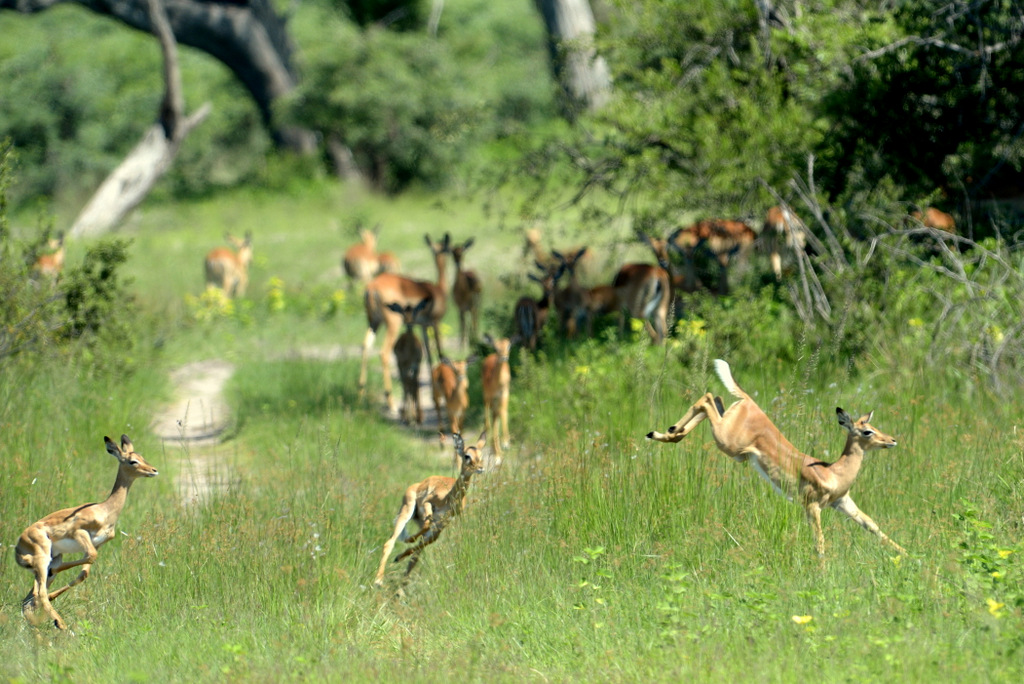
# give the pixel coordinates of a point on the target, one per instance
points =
(580, 70)
(134, 177)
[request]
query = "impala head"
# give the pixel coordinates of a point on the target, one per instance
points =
(532, 236)
(444, 246)
(368, 237)
(863, 432)
(472, 458)
(458, 251)
(244, 247)
(131, 463)
(502, 346)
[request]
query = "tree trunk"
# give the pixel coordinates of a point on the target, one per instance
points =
(132, 180)
(248, 36)
(582, 73)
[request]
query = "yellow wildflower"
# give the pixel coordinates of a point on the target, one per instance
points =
(1005, 553)
(995, 607)
(802, 619)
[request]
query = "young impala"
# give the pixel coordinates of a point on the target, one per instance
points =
(467, 291)
(388, 288)
(432, 503)
(570, 301)
(409, 353)
(51, 264)
(495, 377)
(81, 529)
(532, 314)
(745, 433)
(229, 270)
(783, 228)
(644, 291)
(934, 218)
(451, 385)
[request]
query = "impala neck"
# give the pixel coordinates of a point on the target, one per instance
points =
(849, 462)
(442, 269)
(119, 494)
(458, 492)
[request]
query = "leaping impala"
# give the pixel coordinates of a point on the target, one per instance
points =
(81, 529)
(745, 433)
(432, 503)
(389, 288)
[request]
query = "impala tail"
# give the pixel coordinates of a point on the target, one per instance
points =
(725, 375)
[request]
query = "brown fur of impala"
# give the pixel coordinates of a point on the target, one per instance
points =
(389, 288)
(409, 354)
(228, 269)
(432, 504)
(80, 529)
(745, 433)
(51, 265)
(467, 292)
(644, 291)
(496, 380)
(934, 218)
(723, 238)
(450, 384)
(571, 300)
(531, 315)
(783, 229)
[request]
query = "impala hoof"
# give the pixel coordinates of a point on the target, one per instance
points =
(650, 435)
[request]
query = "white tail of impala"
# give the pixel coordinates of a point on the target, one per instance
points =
(81, 529)
(745, 433)
(229, 270)
(432, 504)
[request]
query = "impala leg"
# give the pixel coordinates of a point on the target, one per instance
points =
(429, 536)
(847, 506)
(403, 518)
(813, 510)
(387, 348)
(430, 367)
(83, 539)
(705, 408)
(503, 416)
(368, 339)
(40, 598)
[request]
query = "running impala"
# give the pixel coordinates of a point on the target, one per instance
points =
(80, 529)
(745, 433)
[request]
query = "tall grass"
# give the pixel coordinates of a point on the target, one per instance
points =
(591, 554)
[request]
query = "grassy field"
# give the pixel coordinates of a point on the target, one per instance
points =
(592, 555)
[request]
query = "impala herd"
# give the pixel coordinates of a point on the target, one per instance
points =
(402, 304)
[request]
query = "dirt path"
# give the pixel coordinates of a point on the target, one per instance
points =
(191, 427)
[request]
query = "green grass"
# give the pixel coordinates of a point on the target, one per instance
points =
(592, 555)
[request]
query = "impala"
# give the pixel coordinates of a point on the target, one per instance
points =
(933, 218)
(723, 238)
(548, 260)
(81, 529)
(51, 264)
(388, 288)
(409, 353)
(745, 433)
(570, 301)
(466, 291)
(432, 503)
(782, 227)
(644, 291)
(495, 377)
(362, 261)
(532, 314)
(450, 384)
(229, 270)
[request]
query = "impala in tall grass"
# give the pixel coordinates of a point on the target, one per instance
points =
(80, 529)
(51, 264)
(432, 504)
(228, 269)
(745, 433)
(467, 291)
(496, 378)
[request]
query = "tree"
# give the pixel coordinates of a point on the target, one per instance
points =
(582, 73)
(247, 36)
(132, 180)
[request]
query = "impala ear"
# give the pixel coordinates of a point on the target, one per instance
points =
(844, 418)
(867, 418)
(468, 243)
(488, 339)
(396, 307)
(481, 441)
(112, 448)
